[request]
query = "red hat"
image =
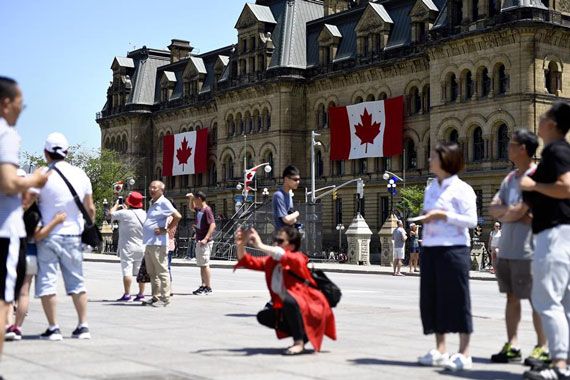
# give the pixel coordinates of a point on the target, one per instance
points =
(135, 200)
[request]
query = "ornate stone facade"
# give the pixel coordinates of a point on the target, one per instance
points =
(469, 73)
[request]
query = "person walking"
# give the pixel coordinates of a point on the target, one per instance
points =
(62, 248)
(130, 249)
(513, 265)
(414, 248)
(205, 227)
(547, 192)
(297, 309)
(450, 210)
(12, 230)
(155, 231)
(282, 202)
(399, 237)
(494, 242)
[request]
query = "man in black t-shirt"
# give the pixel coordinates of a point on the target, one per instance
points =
(547, 192)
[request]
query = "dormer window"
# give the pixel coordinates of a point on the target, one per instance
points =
(121, 86)
(423, 15)
(373, 30)
(194, 76)
(329, 39)
(167, 84)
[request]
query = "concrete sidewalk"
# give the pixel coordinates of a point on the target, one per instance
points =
(328, 267)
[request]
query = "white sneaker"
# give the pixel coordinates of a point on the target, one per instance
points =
(458, 362)
(434, 358)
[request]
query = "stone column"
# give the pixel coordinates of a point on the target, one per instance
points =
(358, 237)
(386, 245)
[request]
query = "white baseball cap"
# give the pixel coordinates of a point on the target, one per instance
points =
(56, 143)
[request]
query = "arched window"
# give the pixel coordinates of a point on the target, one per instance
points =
(257, 121)
(382, 96)
(241, 127)
(319, 164)
(411, 154)
(502, 142)
(370, 98)
(321, 116)
(501, 79)
(214, 134)
(553, 78)
(484, 82)
(231, 126)
(266, 119)
(229, 172)
(454, 136)
(212, 174)
(426, 99)
(248, 123)
(467, 85)
(452, 87)
(358, 100)
(478, 145)
(415, 101)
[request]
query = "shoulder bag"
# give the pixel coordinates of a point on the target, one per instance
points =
(91, 234)
(324, 284)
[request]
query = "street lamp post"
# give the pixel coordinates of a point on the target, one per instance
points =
(392, 179)
(314, 143)
(339, 228)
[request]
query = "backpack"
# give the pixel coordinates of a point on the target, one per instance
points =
(330, 290)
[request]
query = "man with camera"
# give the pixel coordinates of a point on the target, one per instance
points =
(130, 216)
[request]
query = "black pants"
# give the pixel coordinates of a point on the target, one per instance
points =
(12, 267)
(288, 319)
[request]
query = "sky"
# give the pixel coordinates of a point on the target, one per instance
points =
(61, 51)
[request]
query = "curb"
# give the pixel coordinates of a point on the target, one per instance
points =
(327, 268)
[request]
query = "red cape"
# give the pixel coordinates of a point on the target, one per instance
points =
(318, 318)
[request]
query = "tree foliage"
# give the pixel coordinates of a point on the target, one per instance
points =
(411, 202)
(104, 167)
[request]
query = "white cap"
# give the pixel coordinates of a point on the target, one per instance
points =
(57, 143)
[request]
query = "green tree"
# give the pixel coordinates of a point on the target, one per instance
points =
(103, 167)
(411, 201)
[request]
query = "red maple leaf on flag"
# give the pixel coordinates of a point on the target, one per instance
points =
(183, 153)
(366, 130)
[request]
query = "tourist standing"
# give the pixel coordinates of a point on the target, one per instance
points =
(450, 210)
(282, 203)
(399, 237)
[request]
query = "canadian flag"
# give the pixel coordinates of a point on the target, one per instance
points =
(185, 153)
(369, 129)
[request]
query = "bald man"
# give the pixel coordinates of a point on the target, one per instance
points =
(155, 237)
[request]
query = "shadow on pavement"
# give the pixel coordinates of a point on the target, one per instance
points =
(376, 361)
(240, 315)
(483, 374)
(246, 351)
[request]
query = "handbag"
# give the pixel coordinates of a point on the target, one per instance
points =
(330, 290)
(91, 234)
(143, 275)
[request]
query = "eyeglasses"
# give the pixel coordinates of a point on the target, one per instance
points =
(279, 240)
(296, 179)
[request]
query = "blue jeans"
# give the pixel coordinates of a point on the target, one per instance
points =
(66, 252)
(170, 253)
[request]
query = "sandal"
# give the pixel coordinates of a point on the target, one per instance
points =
(290, 352)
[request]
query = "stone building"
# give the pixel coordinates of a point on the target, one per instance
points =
(471, 71)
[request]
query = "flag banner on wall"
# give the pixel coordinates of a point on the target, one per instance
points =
(185, 153)
(369, 129)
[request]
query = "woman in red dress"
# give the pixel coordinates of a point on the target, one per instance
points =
(297, 310)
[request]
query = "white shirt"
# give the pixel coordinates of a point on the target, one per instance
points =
(11, 213)
(130, 230)
(55, 197)
(459, 202)
(495, 238)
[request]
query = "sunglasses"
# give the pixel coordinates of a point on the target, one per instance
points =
(279, 240)
(296, 179)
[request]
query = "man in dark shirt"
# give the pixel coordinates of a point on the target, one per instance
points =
(547, 192)
(205, 227)
(283, 214)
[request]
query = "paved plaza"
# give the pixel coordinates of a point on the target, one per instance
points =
(217, 336)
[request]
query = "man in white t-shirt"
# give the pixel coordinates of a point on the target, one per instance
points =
(63, 246)
(12, 232)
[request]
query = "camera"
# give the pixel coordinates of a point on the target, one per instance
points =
(120, 200)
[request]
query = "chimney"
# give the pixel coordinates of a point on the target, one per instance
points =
(179, 49)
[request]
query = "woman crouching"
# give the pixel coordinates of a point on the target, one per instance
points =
(297, 310)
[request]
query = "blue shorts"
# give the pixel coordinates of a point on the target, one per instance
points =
(65, 251)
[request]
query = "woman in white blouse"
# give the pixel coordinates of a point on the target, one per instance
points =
(450, 211)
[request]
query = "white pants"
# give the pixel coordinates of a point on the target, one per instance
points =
(551, 287)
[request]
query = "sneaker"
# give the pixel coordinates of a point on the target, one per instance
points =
(53, 335)
(548, 374)
(150, 302)
(434, 358)
(139, 297)
(199, 291)
(458, 362)
(207, 290)
(508, 354)
(539, 357)
(124, 298)
(13, 333)
(81, 333)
